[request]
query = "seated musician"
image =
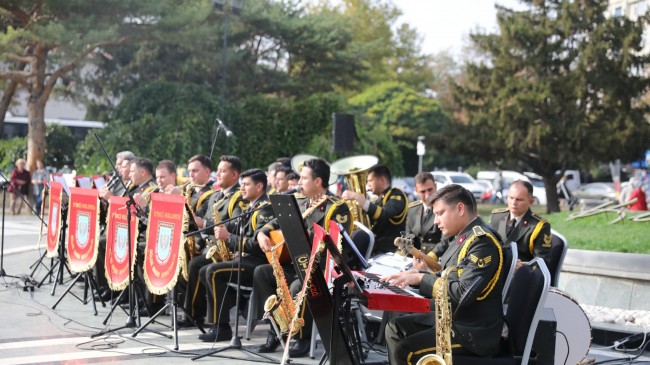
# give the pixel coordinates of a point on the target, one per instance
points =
(215, 277)
(227, 202)
(165, 174)
(420, 221)
(387, 214)
(319, 206)
(517, 223)
(292, 180)
(477, 323)
(112, 188)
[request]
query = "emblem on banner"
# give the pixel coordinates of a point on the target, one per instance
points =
(83, 229)
(54, 218)
(121, 242)
(164, 242)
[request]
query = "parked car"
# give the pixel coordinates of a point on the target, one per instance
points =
(508, 176)
(489, 189)
(593, 194)
(465, 180)
(407, 184)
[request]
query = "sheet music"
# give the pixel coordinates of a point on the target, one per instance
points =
(84, 182)
(61, 180)
(99, 182)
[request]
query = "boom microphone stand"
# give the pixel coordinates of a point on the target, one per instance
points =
(235, 341)
(134, 312)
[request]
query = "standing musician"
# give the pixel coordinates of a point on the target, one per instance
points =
(292, 180)
(387, 214)
(477, 324)
(227, 203)
(517, 223)
(281, 182)
(319, 206)
(215, 277)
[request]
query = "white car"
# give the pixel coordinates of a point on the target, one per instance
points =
(508, 177)
(465, 180)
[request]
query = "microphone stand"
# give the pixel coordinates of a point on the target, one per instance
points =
(235, 341)
(133, 319)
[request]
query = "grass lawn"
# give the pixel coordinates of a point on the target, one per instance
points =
(593, 233)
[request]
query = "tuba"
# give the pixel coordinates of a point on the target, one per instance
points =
(299, 160)
(355, 171)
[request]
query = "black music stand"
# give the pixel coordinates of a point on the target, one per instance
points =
(4, 185)
(58, 261)
(320, 300)
(235, 341)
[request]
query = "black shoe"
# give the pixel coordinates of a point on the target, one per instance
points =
(300, 348)
(186, 323)
(271, 344)
(103, 294)
(217, 333)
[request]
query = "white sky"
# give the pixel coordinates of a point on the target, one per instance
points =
(445, 24)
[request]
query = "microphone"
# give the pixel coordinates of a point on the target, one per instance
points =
(225, 129)
(297, 189)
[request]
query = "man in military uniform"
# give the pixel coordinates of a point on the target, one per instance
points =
(420, 221)
(387, 214)
(517, 223)
(215, 277)
(281, 182)
(318, 206)
(227, 203)
(165, 174)
(478, 321)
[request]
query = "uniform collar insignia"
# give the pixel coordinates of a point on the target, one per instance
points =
(461, 239)
(525, 223)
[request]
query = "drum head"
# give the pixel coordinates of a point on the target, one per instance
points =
(573, 337)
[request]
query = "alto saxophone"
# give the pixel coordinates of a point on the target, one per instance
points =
(281, 306)
(186, 188)
(443, 324)
(218, 252)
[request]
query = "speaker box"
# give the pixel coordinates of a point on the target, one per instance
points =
(544, 342)
(343, 132)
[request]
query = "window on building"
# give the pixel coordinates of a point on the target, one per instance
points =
(618, 12)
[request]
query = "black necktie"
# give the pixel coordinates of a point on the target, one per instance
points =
(511, 226)
(425, 216)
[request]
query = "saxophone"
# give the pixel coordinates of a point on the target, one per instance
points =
(218, 252)
(190, 243)
(281, 306)
(443, 324)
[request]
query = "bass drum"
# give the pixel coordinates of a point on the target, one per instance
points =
(573, 333)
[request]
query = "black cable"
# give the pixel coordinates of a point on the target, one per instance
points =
(568, 347)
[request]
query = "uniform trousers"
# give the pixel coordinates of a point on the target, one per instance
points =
(221, 296)
(412, 336)
(265, 285)
(195, 302)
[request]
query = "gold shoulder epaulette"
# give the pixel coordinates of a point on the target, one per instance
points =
(415, 203)
(499, 210)
(478, 231)
(335, 199)
(537, 217)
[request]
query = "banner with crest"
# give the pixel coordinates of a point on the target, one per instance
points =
(117, 243)
(54, 219)
(83, 228)
(165, 235)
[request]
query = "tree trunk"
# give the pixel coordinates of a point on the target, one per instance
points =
(7, 96)
(552, 202)
(36, 134)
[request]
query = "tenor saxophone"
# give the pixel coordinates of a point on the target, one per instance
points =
(281, 305)
(218, 252)
(443, 324)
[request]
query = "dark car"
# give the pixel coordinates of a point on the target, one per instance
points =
(593, 194)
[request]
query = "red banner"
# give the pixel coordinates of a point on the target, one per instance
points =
(165, 233)
(83, 228)
(54, 219)
(117, 243)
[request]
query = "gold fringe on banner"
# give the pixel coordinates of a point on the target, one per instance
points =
(182, 261)
(40, 236)
(124, 284)
(93, 259)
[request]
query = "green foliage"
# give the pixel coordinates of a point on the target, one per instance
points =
(11, 150)
(559, 87)
(391, 117)
(61, 146)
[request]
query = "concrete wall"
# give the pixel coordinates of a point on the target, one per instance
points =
(609, 279)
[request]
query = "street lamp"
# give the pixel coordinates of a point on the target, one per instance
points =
(235, 7)
(420, 149)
